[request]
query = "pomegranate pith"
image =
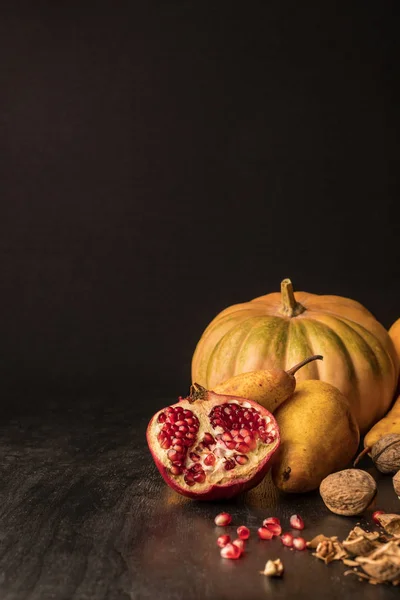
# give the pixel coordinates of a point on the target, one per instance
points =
(210, 446)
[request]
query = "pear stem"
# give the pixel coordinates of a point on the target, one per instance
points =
(293, 370)
(289, 307)
(366, 450)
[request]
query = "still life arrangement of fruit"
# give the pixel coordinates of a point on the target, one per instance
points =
(275, 382)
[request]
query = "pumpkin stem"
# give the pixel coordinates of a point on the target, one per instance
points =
(304, 362)
(289, 307)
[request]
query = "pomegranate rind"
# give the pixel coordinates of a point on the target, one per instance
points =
(235, 484)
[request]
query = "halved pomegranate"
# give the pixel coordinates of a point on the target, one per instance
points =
(210, 446)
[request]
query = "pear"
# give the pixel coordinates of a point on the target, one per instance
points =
(319, 435)
(268, 387)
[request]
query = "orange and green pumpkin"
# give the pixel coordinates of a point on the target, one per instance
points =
(394, 332)
(281, 329)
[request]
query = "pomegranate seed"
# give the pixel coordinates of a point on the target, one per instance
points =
(240, 544)
(229, 464)
(241, 460)
(230, 551)
(189, 479)
(165, 443)
(376, 514)
(195, 457)
(223, 519)
(161, 418)
(209, 460)
(271, 520)
(175, 470)
(226, 436)
(296, 522)
(199, 477)
(275, 528)
(243, 532)
(243, 448)
(287, 540)
(299, 543)
(264, 533)
(208, 439)
(223, 540)
(230, 445)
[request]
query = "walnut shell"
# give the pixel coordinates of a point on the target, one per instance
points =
(386, 453)
(360, 542)
(396, 483)
(390, 523)
(383, 564)
(348, 492)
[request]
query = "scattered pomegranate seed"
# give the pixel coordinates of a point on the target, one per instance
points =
(223, 540)
(240, 544)
(223, 519)
(275, 528)
(264, 533)
(230, 551)
(299, 543)
(271, 520)
(243, 532)
(376, 514)
(296, 522)
(287, 540)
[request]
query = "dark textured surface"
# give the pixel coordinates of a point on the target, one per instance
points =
(84, 514)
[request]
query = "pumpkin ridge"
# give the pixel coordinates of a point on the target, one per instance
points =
(224, 340)
(310, 345)
(341, 344)
(276, 334)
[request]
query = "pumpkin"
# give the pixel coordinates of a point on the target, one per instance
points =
(281, 329)
(394, 332)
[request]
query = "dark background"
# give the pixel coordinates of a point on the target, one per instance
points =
(161, 161)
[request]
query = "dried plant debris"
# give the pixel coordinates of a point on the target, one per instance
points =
(373, 556)
(390, 523)
(327, 549)
(360, 543)
(273, 568)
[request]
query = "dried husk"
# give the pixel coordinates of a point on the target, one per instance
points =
(396, 483)
(273, 568)
(360, 543)
(386, 453)
(383, 564)
(390, 523)
(348, 492)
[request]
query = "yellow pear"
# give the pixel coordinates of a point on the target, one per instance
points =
(389, 424)
(319, 435)
(268, 387)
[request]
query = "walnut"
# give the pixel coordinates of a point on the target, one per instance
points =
(396, 483)
(348, 492)
(386, 453)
